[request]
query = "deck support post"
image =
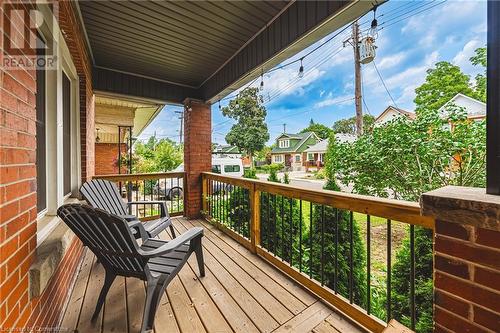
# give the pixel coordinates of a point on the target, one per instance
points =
(254, 196)
(197, 153)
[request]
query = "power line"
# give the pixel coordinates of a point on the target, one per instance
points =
(383, 83)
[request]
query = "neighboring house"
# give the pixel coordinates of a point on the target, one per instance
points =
(476, 110)
(391, 113)
(223, 151)
(290, 148)
(314, 155)
(227, 151)
(113, 114)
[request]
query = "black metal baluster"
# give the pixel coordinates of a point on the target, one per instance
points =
(336, 278)
(412, 276)
(151, 196)
(179, 195)
(322, 245)
(310, 238)
(389, 270)
(144, 197)
(249, 211)
(268, 228)
(368, 264)
(290, 219)
(351, 253)
(300, 235)
(238, 191)
(275, 233)
(171, 193)
(282, 238)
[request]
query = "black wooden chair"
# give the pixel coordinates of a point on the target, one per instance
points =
(110, 238)
(105, 195)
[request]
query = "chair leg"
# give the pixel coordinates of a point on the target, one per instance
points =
(154, 292)
(108, 281)
(198, 249)
(172, 231)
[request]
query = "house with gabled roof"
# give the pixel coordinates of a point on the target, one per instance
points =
(289, 149)
(476, 110)
(392, 112)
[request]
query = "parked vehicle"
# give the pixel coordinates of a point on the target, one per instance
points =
(171, 189)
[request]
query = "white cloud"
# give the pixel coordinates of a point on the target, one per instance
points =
(392, 60)
(461, 59)
(321, 93)
(340, 100)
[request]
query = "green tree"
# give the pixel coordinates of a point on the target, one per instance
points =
(348, 126)
(479, 59)
(250, 133)
(322, 131)
(442, 83)
(157, 155)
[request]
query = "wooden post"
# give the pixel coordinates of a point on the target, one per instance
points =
(254, 217)
(204, 192)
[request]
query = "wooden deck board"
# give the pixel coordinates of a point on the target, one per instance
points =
(240, 293)
(286, 298)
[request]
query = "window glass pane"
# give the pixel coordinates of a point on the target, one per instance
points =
(297, 158)
(41, 161)
(216, 168)
(231, 168)
(66, 85)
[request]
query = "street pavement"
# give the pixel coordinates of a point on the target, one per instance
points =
(297, 179)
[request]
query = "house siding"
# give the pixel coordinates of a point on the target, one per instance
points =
(18, 192)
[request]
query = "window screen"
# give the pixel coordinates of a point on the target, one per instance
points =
(216, 168)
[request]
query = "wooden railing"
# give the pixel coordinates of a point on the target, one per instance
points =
(311, 236)
(160, 186)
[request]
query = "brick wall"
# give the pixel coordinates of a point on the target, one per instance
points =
(17, 186)
(18, 189)
(197, 153)
(466, 259)
(467, 278)
(106, 155)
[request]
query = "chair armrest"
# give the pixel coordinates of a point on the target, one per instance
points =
(129, 218)
(162, 204)
(173, 244)
(137, 225)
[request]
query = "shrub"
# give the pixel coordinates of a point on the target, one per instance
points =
(250, 173)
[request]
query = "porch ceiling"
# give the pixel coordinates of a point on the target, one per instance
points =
(171, 50)
(180, 41)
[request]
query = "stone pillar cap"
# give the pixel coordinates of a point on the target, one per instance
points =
(463, 205)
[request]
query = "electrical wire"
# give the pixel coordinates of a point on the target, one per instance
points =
(383, 83)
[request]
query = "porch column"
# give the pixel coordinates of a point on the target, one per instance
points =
(466, 258)
(197, 152)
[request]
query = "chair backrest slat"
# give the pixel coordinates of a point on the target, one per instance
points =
(108, 236)
(105, 195)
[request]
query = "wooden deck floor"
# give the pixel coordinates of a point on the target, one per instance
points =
(240, 293)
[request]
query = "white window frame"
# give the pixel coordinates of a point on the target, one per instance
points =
(278, 158)
(46, 220)
(320, 157)
(284, 143)
(299, 160)
(310, 157)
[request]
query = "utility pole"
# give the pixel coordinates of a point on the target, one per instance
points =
(181, 117)
(357, 79)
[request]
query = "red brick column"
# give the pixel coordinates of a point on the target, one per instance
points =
(466, 259)
(197, 152)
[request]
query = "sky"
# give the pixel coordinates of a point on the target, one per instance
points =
(412, 37)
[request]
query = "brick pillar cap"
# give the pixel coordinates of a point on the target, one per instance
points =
(463, 205)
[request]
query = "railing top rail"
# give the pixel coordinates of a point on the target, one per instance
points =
(397, 210)
(140, 176)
